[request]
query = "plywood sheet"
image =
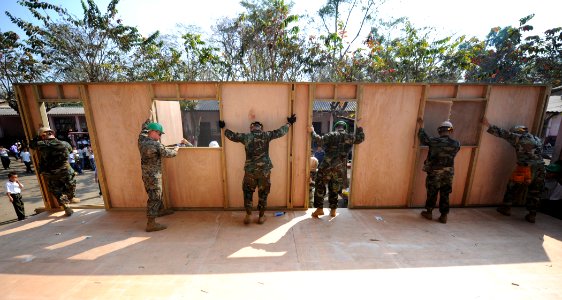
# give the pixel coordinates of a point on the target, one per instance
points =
(194, 178)
(165, 90)
(346, 91)
(465, 117)
(462, 163)
(242, 104)
(472, 91)
(299, 193)
(325, 91)
(198, 90)
(169, 115)
(441, 91)
(31, 101)
(508, 106)
(118, 124)
(48, 91)
(384, 160)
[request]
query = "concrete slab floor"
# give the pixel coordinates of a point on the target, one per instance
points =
(362, 253)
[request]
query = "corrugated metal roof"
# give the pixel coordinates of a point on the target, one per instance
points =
(554, 104)
(56, 111)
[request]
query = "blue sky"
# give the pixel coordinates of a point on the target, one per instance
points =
(472, 18)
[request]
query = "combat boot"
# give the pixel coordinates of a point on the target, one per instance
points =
(247, 218)
(443, 218)
(75, 200)
(318, 212)
(68, 211)
(261, 219)
(427, 214)
(504, 210)
(151, 225)
(530, 217)
(333, 212)
(165, 212)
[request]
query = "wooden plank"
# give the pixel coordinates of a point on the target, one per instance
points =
(457, 100)
(441, 91)
(164, 90)
(388, 115)
(508, 106)
(193, 178)
(199, 91)
(49, 91)
(288, 184)
(71, 91)
(242, 104)
(325, 91)
(301, 147)
(118, 120)
(223, 154)
(346, 91)
(472, 92)
(466, 117)
(462, 163)
(416, 148)
(169, 116)
(358, 123)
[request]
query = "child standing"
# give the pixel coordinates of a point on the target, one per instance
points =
(26, 158)
(13, 190)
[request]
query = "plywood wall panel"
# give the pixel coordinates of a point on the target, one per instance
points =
(346, 91)
(198, 90)
(465, 117)
(165, 90)
(508, 106)
(384, 160)
(49, 91)
(441, 91)
(462, 163)
(169, 115)
(194, 178)
(31, 101)
(434, 114)
(325, 91)
(301, 139)
(242, 104)
(472, 91)
(119, 111)
(70, 91)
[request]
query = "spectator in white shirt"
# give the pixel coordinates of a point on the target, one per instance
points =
(26, 159)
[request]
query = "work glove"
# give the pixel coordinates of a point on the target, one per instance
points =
(222, 124)
(292, 119)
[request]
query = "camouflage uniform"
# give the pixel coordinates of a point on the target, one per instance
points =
(440, 169)
(55, 168)
(333, 168)
(528, 149)
(257, 168)
(152, 152)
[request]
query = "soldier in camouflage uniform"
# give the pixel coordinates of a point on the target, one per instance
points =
(257, 168)
(152, 152)
(530, 170)
(440, 169)
(333, 169)
(55, 167)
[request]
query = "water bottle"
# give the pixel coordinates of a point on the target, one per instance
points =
(278, 213)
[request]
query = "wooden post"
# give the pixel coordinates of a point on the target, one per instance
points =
(417, 148)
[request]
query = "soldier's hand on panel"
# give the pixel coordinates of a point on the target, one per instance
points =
(222, 124)
(292, 119)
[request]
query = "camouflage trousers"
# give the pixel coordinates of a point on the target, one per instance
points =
(62, 184)
(534, 190)
(335, 181)
(260, 179)
(438, 182)
(153, 187)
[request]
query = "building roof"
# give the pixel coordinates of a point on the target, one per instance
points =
(554, 104)
(56, 111)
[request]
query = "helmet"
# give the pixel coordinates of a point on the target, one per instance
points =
(256, 123)
(445, 126)
(519, 129)
(155, 126)
(340, 123)
(554, 168)
(44, 129)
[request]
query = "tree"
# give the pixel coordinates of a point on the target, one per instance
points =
(91, 49)
(17, 64)
(261, 44)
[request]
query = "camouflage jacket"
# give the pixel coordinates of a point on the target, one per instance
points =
(53, 155)
(528, 148)
(256, 144)
(152, 152)
(337, 145)
(442, 152)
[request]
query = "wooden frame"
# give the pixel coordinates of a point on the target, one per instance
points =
(386, 167)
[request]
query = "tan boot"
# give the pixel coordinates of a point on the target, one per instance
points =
(165, 212)
(75, 200)
(443, 218)
(427, 214)
(68, 211)
(261, 219)
(151, 225)
(247, 218)
(333, 212)
(318, 212)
